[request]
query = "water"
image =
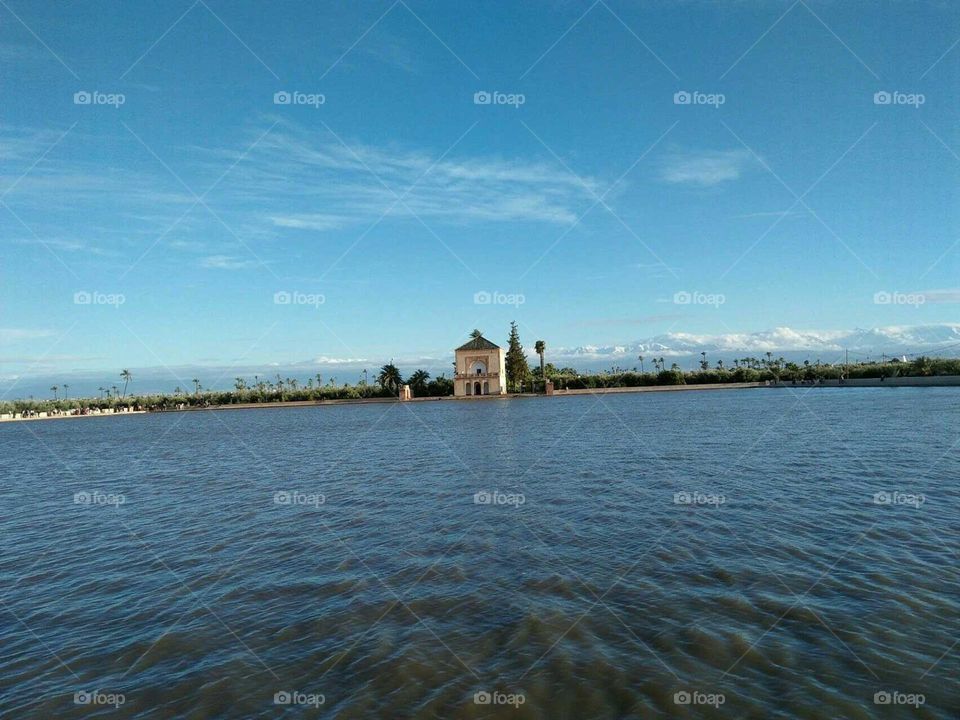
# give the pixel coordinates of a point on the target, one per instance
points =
(397, 596)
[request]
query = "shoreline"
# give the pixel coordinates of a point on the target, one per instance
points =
(75, 416)
(918, 381)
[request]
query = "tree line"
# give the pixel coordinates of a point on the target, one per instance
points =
(520, 378)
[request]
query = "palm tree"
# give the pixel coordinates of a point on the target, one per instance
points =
(101, 389)
(640, 358)
(239, 384)
(418, 380)
(65, 388)
(196, 386)
(54, 389)
(390, 378)
(703, 361)
(540, 347)
(719, 364)
(115, 391)
(176, 390)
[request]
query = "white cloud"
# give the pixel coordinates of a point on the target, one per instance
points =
(226, 262)
(301, 179)
(706, 168)
(949, 296)
(893, 339)
(12, 335)
(314, 221)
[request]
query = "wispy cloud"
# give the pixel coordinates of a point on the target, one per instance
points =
(773, 213)
(948, 296)
(307, 180)
(226, 262)
(705, 168)
(64, 244)
(12, 335)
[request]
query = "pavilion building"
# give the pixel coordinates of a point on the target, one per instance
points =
(481, 369)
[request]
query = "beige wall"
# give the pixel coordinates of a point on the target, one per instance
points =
(493, 364)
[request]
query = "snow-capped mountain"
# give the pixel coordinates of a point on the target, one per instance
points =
(893, 340)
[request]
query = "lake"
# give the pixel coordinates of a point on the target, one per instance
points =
(770, 553)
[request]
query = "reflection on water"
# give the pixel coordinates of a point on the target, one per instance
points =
(767, 554)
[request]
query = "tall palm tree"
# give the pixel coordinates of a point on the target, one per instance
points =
(65, 388)
(126, 377)
(101, 389)
(54, 389)
(418, 380)
(640, 358)
(390, 378)
(540, 347)
(196, 386)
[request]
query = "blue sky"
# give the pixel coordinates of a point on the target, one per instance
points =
(598, 201)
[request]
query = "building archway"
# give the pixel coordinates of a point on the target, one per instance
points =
(486, 387)
(476, 388)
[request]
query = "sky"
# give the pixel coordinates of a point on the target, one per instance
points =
(220, 187)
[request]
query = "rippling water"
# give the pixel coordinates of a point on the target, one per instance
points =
(151, 557)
